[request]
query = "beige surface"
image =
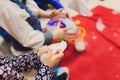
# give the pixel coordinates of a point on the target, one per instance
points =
(115, 4)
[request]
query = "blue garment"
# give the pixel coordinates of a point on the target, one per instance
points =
(44, 4)
(4, 34)
(62, 76)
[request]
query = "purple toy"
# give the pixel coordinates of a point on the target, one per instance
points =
(52, 24)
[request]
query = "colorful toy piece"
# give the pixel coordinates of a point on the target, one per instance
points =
(77, 22)
(65, 22)
(80, 43)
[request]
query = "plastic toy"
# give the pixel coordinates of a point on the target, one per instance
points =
(51, 25)
(65, 22)
(78, 32)
(80, 42)
(69, 23)
(44, 4)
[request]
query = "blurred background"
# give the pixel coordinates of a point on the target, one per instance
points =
(114, 4)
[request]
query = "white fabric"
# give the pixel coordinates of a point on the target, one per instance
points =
(81, 6)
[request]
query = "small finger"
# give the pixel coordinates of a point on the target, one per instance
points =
(58, 24)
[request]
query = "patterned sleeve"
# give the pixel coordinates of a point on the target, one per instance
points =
(44, 73)
(11, 66)
(21, 63)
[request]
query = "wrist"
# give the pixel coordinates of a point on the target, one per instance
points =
(48, 16)
(47, 63)
(44, 14)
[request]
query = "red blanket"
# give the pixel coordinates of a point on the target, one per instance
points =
(101, 59)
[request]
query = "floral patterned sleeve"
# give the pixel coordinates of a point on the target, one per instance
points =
(21, 63)
(11, 66)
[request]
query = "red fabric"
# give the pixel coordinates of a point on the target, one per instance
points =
(101, 59)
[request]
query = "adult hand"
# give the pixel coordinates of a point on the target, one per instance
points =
(52, 60)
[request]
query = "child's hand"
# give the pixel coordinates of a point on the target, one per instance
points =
(43, 50)
(52, 60)
(60, 13)
(59, 33)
